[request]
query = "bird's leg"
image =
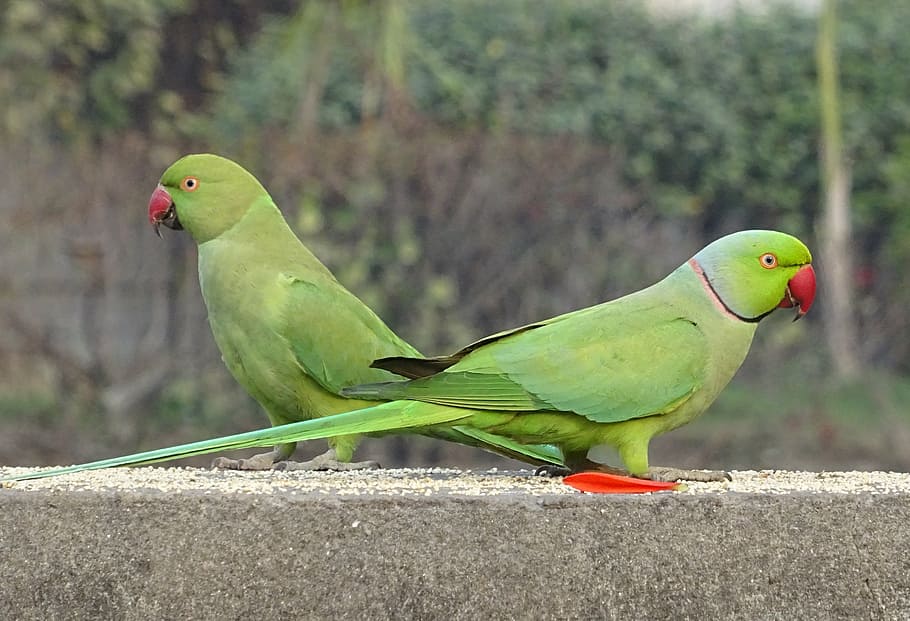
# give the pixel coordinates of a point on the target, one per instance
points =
(660, 473)
(326, 461)
(635, 456)
(262, 461)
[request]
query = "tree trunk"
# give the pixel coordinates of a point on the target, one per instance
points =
(834, 229)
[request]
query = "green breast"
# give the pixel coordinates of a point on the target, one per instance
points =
(237, 291)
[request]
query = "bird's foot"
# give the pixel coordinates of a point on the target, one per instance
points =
(552, 470)
(659, 473)
(263, 461)
(326, 461)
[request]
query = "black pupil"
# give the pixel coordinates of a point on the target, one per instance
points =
(769, 259)
(190, 183)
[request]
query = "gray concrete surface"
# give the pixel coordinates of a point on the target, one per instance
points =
(440, 544)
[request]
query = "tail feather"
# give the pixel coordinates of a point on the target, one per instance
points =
(384, 417)
(538, 454)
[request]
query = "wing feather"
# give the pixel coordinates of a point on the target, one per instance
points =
(608, 364)
(347, 328)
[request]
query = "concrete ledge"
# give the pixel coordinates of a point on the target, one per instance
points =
(194, 544)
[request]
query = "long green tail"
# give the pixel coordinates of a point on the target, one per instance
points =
(384, 417)
(381, 418)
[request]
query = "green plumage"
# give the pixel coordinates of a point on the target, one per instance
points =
(614, 374)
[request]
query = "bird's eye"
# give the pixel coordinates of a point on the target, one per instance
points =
(768, 260)
(189, 184)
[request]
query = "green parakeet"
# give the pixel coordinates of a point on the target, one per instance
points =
(614, 374)
(287, 330)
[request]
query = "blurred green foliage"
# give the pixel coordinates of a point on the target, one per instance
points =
(708, 116)
(66, 63)
(711, 121)
(76, 70)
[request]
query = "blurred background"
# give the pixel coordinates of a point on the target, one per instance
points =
(464, 167)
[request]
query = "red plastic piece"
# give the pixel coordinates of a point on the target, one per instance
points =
(603, 483)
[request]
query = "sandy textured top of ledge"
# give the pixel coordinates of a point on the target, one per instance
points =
(436, 482)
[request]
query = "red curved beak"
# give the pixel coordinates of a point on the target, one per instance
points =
(800, 291)
(161, 210)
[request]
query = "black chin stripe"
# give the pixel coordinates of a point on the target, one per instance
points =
(701, 274)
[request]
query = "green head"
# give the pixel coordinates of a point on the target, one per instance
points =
(750, 273)
(204, 194)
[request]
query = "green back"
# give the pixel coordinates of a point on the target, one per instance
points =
(633, 357)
